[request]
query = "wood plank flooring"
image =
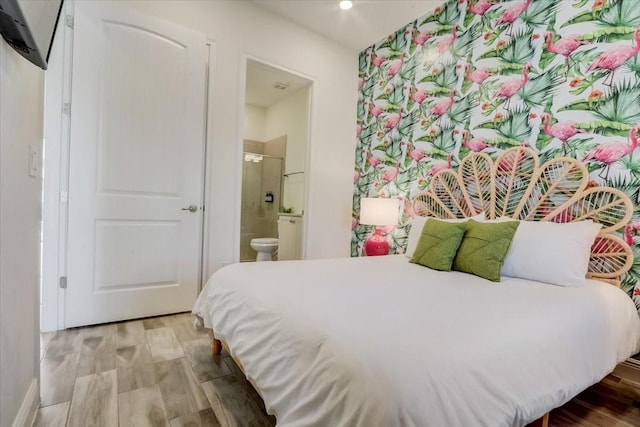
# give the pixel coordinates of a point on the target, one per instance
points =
(160, 372)
(150, 372)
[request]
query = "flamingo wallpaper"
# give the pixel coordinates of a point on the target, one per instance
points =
(562, 77)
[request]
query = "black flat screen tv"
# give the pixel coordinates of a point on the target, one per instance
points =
(29, 26)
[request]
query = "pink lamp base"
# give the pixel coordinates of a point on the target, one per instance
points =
(376, 244)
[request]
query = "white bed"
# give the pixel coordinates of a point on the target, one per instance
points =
(382, 342)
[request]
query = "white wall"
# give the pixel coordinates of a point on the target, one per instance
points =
(239, 29)
(21, 120)
(254, 118)
(290, 117)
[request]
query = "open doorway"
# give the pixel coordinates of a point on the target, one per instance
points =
(275, 151)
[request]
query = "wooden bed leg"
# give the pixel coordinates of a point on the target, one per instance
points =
(541, 422)
(216, 345)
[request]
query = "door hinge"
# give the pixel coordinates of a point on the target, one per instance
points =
(68, 21)
(66, 108)
(63, 282)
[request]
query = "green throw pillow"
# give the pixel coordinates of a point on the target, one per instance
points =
(484, 248)
(438, 244)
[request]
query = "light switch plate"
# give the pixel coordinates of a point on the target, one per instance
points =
(33, 161)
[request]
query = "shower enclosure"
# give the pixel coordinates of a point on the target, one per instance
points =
(261, 199)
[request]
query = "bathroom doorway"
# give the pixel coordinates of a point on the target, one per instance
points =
(274, 162)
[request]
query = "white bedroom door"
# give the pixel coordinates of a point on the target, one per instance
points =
(136, 165)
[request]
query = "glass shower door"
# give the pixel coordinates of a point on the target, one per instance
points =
(261, 200)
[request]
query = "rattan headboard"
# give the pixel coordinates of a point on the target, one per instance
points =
(516, 186)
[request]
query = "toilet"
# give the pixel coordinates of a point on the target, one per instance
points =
(265, 247)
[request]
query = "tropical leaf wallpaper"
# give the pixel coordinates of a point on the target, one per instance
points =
(562, 77)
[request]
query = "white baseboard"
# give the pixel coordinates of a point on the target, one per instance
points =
(29, 408)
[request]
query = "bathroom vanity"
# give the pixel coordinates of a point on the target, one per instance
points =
(289, 236)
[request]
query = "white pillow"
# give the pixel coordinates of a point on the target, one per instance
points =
(551, 252)
(417, 224)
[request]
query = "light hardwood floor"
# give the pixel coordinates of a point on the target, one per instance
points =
(150, 372)
(160, 372)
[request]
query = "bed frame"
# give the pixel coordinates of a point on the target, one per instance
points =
(515, 185)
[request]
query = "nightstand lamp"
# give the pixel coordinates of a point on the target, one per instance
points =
(378, 212)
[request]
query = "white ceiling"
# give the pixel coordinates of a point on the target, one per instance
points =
(260, 80)
(367, 22)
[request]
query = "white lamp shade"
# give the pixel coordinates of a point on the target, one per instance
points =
(378, 211)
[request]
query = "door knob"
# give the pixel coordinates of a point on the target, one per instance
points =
(191, 208)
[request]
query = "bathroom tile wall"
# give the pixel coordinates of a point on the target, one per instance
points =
(272, 181)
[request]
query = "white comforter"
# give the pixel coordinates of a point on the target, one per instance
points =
(381, 342)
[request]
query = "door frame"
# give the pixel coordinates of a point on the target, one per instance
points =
(311, 108)
(55, 183)
(56, 178)
(208, 159)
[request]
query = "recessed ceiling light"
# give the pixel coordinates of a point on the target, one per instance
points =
(345, 5)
